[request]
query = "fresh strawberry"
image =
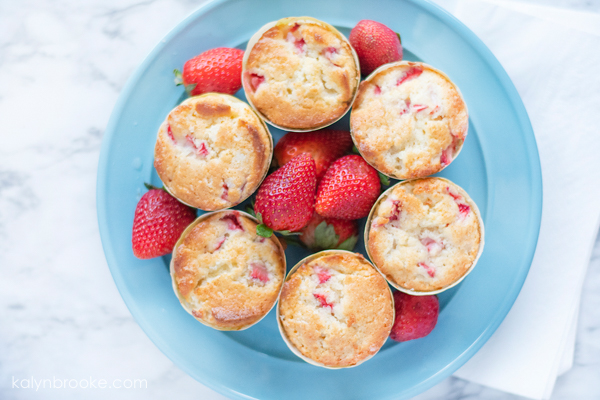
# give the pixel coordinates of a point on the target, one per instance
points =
(375, 45)
(325, 146)
(215, 70)
(158, 222)
(330, 233)
(348, 189)
(416, 316)
(286, 198)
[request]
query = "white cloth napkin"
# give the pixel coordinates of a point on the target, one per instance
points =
(552, 56)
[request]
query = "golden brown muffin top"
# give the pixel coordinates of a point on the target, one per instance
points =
(336, 309)
(224, 274)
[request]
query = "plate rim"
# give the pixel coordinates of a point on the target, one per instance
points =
(520, 113)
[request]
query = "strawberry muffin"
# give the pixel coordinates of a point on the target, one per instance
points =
(424, 235)
(225, 275)
(300, 74)
(409, 120)
(212, 151)
(335, 309)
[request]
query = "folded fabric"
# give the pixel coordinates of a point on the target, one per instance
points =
(554, 68)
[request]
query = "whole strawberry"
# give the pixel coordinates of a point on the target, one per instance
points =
(215, 70)
(348, 189)
(329, 233)
(416, 316)
(158, 222)
(375, 45)
(286, 198)
(325, 146)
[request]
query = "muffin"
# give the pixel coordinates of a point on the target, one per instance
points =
(409, 120)
(212, 151)
(225, 275)
(300, 74)
(335, 309)
(424, 235)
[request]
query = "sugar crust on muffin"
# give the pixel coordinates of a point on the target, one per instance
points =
(224, 274)
(425, 234)
(212, 151)
(301, 73)
(336, 310)
(409, 120)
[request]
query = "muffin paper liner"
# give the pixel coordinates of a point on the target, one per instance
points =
(284, 21)
(184, 302)
(413, 292)
(280, 325)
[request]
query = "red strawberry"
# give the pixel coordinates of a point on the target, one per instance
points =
(286, 198)
(330, 233)
(375, 45)
(416, 316)
(348, 189)
(215, 70)
(324, 146)
(158, 222)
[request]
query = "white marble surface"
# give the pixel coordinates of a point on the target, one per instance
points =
(62, 65)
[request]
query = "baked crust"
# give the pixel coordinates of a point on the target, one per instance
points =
(356, 323)
(304, 72)
(224, 274)
(212, 151)
(424, 234)
(409, 120)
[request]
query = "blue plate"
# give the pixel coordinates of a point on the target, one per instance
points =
(498, 166)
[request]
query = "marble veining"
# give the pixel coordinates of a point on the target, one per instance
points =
(62, 65)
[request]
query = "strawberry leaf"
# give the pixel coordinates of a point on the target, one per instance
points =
(399, 38)
(178, 77)
(179, 81)
(355, 150)
(349, 243)
(385, 181)
(152, 187)
(325, 236)
(290, 240)
(289, 233)
(190, 87)
(250, 211)
(264, 231)
(259, 217)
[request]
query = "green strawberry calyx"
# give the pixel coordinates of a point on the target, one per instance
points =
(179, 82)
(152, 187)
(326, 238)
(385, 180)
(262, 229)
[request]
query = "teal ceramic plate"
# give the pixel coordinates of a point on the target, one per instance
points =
(498, 166)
